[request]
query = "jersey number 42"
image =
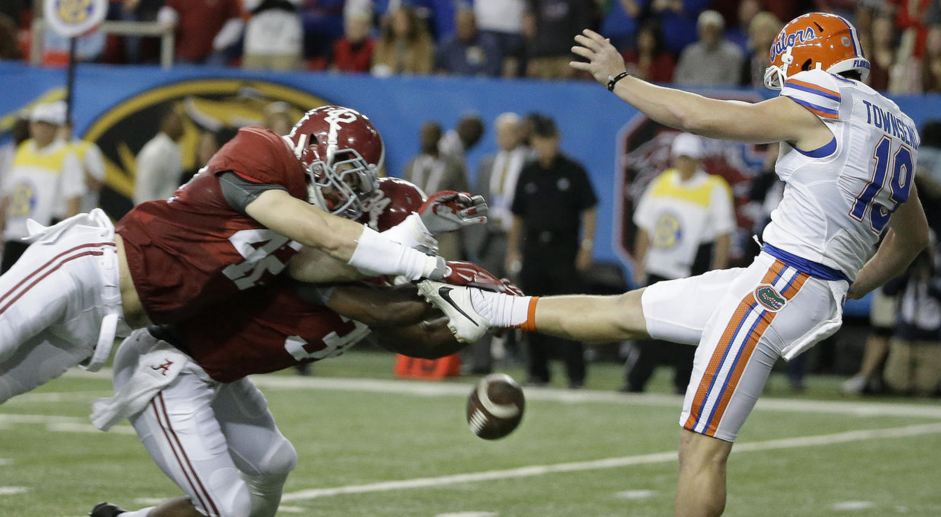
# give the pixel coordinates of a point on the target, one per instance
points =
(889, 170)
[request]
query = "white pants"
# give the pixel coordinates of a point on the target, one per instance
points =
(743, 320)
(218, 442)
(53, 302)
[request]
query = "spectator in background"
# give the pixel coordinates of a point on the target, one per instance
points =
(160, 162)
(497, 175)
(432, 172)
(931, 62)
(274, 37)
(649, 60)
(9, 49)
(19, 133)
(762, 31)
(620, 22)
(278, 118)
(882, 320)
(203, 27)
(458, 141)
(404, 46)
(881, 53)
(910, 20)
(551, 240)
(467, 51)
(711, 61)
(740, 34)
(45, 179)
(685, 221)
(353, 52)
(914, 362)
(208, 144)
(93, 165)
(678, 20)
(548, 27)
(502, 20)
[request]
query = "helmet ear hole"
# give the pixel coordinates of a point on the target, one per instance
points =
(807, 65)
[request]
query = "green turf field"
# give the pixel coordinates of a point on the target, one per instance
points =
(378, 447)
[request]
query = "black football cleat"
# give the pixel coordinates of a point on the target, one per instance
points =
(106, 510)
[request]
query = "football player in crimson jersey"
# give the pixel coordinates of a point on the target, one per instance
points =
(847, 157)
(184, 385)
(261, 199)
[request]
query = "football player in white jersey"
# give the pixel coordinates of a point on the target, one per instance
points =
(847, 158)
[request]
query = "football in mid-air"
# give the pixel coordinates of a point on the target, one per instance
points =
(495, 407)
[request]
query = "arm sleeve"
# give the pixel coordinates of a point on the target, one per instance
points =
(723, 211)
(94, 162)
(817, 91)
(586, 195)
(240, 192)
(643, 213)
(519, 206)
(73, 178)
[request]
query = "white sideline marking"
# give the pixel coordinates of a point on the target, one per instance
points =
(609, 463)
(13, 490)
(150, 500)
(291, 509)
(853, 505)
(62, 424)
(635, 494)
(74, 396)
(444, 389)
(4, 462)
(468, 514)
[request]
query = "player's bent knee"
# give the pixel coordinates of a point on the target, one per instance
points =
(281, 461)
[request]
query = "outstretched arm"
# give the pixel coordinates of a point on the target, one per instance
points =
(712, 118)
(379, 307)
(907, 236)
(341, 239)
(429, 339)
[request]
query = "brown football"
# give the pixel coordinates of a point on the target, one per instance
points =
(495, 406)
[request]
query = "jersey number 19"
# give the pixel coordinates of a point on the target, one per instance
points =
(896, 172)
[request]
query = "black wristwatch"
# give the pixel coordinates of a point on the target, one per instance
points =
(612, 80)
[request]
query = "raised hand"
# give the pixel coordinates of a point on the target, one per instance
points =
(604, 61)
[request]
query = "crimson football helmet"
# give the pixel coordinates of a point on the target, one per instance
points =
(395, 200)
(815, 41)
(343, 154)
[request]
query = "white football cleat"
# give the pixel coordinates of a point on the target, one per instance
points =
(454, 301)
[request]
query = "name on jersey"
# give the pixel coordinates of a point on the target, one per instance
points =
(891, 123)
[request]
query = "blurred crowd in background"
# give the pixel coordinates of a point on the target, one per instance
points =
(687, 42)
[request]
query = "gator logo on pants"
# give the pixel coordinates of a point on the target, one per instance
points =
(770, 299)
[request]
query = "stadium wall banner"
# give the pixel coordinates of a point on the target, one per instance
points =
(120, 108)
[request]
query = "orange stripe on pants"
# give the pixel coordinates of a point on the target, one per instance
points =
(716, 361)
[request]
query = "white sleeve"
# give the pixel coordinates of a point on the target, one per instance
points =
(147, 185)
(817, 91)
(73, 178)
(228, 34)
(644, 213)
(94, 162)
(167, 16)
(722, 210)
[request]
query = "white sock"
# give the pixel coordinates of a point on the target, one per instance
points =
(502, 310)
(143, 512)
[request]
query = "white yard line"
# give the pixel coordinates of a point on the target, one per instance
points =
(50, 397)
(448, 389)
(609, 463)
(62, 424)
(13, 490)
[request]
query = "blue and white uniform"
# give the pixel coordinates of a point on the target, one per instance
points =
(837, 201)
